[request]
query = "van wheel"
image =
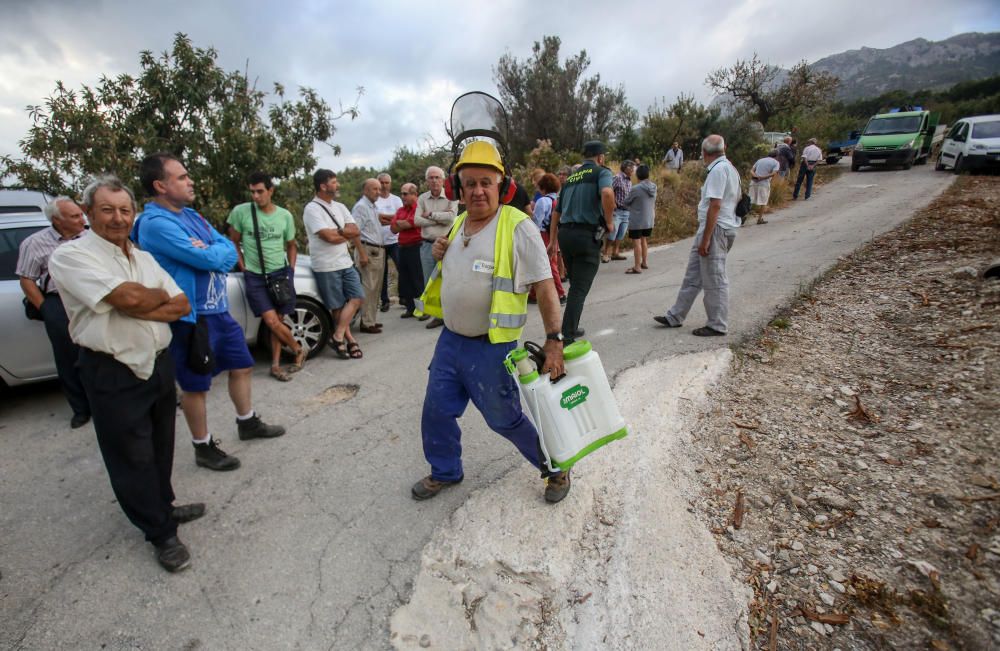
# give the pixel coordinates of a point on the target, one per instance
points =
(908, 164)
(310, 325)
(855, 166)
(957, 169)
(939, 165)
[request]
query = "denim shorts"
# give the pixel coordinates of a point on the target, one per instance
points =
(338, 287)
(258, 298)
(229, 345)
(621, 225)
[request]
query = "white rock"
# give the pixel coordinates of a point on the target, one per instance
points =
(966, 271)
(838, 586)
(772, 587)
(840, 403)
(816, 626)
(827, 598)
(820, 519)
(847, 391)
(761, 557)
(797, 546)
(811, 569)
(860, 465)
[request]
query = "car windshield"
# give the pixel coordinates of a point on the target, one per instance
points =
(984, 130)
(885, 126)
(10, 244)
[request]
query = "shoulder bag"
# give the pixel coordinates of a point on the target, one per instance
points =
(278, 286)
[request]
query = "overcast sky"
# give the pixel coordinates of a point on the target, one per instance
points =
(413, 59)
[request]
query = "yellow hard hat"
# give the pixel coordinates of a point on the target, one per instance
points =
(480, 152)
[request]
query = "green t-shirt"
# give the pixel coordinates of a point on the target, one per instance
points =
(275, 230)
(580, 198)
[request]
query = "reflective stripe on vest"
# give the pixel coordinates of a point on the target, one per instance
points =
(508, 309)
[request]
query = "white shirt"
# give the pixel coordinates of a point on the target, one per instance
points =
(812, 154)
(87, 270)
(323, 255)
(722, 182)
(388, 206)
(442, 214)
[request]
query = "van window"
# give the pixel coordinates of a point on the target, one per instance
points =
(10, 244)
(983, 130)
(886, 126)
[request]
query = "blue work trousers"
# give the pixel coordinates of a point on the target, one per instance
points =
(466, 368)
(808, 175)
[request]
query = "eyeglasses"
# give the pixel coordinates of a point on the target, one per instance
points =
(406, 193)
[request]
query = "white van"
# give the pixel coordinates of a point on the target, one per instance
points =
(971, 144)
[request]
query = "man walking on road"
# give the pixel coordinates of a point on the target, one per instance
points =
(811, 156)
(262, 226)
(435, 213)
(760, 185)
(717, 224)
(198, 258)
(387, 205)
(584, 213)
(68, 225)
(370, 249)
(488, 263)
(120, 302)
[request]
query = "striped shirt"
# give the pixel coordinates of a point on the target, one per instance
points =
(33, 256)
(622, 185)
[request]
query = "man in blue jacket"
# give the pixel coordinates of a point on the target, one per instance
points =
(198, 258)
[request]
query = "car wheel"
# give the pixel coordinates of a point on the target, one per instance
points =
(855, 166)
(939, 165)
(957, 169)
(309, 323)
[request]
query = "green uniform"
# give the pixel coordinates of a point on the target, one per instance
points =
(580, 198)
(276, 230)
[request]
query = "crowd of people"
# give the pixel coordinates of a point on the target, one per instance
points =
(138, 306)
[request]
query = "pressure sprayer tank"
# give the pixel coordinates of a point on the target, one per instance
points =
(576, 414)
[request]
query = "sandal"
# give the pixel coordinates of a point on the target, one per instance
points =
(618, 257)
(339, 347)
(632, 270)
(354, 350)
(280, 374)
(605, 258)
(300, 360)
(644, 265)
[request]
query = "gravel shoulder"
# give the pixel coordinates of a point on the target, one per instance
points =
(851, 467)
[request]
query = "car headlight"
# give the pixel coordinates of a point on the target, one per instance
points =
(859, 147)
(908, 145)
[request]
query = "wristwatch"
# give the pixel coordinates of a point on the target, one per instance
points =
(554, 336)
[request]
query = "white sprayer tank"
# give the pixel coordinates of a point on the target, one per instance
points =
(575, 415)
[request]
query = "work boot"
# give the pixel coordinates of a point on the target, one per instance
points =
(210, 455)
(435, 323)
(255, 428)
(187, 512)
(172, 555)
(423, 317)
(557, 487)
(428, 487)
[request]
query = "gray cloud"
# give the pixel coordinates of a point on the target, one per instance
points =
(413, 59)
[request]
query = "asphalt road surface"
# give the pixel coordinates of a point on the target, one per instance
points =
(315, 541)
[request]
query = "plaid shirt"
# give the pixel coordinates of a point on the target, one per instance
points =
(622, 185)
(34, 254)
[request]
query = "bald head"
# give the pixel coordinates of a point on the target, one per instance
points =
(371, 189)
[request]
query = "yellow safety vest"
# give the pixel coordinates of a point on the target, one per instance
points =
(508, 310)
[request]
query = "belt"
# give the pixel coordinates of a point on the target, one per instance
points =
(377, 246)
(577, 225)
(99, 353)
(429, 240)
(484, 338)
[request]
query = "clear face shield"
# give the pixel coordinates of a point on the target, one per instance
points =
(479, 116)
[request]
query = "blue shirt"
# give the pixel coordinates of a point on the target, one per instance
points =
(200, 271)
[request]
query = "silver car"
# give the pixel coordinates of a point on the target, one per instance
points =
(25, 353)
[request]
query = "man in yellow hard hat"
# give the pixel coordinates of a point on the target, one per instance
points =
(487, 264)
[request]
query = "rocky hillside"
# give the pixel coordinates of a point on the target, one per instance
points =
(914, 65)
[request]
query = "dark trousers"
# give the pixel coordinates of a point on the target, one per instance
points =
(392, 253)
(134, 420)
(65, 353)
(411, 276)
(582, 257)
(808, 175)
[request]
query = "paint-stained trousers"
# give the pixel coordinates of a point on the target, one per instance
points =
(463, 369)
(707, 274)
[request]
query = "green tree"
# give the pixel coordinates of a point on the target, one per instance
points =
(181, 102)
(551, 100)
(752, 86)
(686, 121)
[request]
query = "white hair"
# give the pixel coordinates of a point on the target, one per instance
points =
(433, 168)
(51, 209)
(383, 175)
(499, 174)
(713, 144)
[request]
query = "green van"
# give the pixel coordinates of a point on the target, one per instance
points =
(896, 138)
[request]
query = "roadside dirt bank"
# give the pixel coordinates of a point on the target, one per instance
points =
(851, 463)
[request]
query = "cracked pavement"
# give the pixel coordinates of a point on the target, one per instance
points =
(314, 542)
